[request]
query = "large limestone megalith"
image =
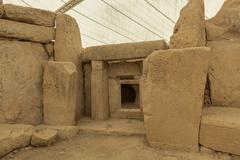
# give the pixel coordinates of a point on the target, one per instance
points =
(224, 73)
(189, 30)
(68, 47)
(21, 75)
(60, 93)
(172, 97)
(226, 24)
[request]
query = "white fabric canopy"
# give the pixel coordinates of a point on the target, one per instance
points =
(118, 21)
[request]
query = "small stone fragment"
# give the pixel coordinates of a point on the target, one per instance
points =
(43, 137)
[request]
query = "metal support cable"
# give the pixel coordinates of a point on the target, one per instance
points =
(85, 35)
(93, 38)
(67, 6)
(26, 3)
(158, 10)
(76, 11)
(132, 19)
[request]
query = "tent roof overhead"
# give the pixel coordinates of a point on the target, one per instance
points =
(112, 21)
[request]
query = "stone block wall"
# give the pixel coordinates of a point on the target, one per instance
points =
(28, 38)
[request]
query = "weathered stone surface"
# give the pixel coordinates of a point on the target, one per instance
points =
(172, 97)
(124, 51)
(23, 31)
(68, 47)
(189, 30)
(224, 73)
(63, 132)
(99, 90)
(124, 68)
(226, 24)
(29, 15)
(43, 137)
(1, 10)
(87, 88)
(21, 82)
(220, 129)
(13, 137)
(60, 93)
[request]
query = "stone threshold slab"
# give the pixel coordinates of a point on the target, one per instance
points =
(118, 127)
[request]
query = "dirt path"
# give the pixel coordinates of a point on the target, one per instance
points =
(100, 147)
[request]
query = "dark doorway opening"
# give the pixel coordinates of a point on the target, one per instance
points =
(130, 96)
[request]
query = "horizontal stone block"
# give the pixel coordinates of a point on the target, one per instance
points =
(21, 76)
(172, 97)
(123, 51)
(220, 129)
(60, 93)
(224, 73)
(125, 69)
(28, 32)
(29, 15)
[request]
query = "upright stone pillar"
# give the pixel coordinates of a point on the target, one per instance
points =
(60, 93)
(172, 95)
(68, 47)
(99, 90)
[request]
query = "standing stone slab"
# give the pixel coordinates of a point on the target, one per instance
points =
(172, 97)
(29, 15)
(224, 73)
(189, 30)
(21, 82)
(99, 90)
(68, 47)
(23, 31)
(60, 93)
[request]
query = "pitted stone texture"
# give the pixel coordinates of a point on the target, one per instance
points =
(43, 137)
(60, 93)
(29, 15)
(21, 77)
(224, 73)
(220, 129)
(226, 24)
(172, 97)
(28, 32)
(189, 30)
(68, 47)
(13, 137)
